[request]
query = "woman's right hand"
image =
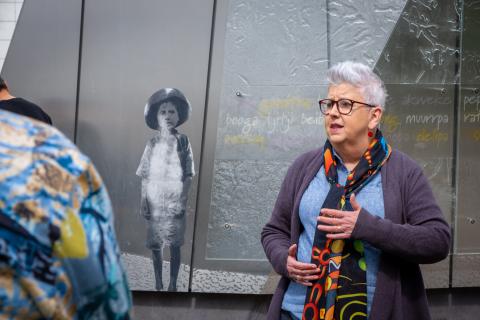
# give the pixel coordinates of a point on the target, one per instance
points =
(300, 272)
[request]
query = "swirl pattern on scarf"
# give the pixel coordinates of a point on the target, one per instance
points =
(341, 291)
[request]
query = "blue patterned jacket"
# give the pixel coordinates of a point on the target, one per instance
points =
(59, 257)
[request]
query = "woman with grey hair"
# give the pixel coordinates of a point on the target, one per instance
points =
(355, 218)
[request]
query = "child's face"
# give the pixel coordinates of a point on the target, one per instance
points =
(167, 113)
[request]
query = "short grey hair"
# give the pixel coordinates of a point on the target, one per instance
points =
(361, 76)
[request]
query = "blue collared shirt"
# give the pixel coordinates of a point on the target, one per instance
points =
(370, 198)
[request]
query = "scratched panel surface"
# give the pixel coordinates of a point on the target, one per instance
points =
(360, 29)
(259, 133)
(419, 65)
(468, 204)
(420, 122)
(275, 42)
(269, 122)
(242, 199)
(470, 44)
(423, 45)
(275, 55)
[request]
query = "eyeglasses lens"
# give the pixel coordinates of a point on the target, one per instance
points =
(326, 106)
(344, 106)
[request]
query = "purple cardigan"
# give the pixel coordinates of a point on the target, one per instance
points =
(413, 232)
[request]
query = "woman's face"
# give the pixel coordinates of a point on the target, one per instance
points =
(167, 113)
(352, 129)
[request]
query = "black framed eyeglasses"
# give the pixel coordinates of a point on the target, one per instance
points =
(344, 106)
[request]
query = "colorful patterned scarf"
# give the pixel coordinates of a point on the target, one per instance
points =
(341, 291)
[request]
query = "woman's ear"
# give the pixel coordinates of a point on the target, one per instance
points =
(375, 117)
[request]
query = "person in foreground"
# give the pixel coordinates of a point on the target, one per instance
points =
(20, 105)
(59, 257)
(355, 218)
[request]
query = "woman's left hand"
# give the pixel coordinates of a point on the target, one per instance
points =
(339, 224)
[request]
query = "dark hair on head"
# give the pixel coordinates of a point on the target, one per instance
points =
(3, 84)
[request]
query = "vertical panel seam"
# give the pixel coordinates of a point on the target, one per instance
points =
(79, 71)
(327, 10)
(456, 126)
(205, 114)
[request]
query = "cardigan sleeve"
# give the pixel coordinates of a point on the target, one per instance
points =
(276, 234)
(424, 236)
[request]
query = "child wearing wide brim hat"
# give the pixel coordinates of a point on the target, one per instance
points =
(166, 169)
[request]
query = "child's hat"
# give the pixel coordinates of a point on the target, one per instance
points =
(176, 97)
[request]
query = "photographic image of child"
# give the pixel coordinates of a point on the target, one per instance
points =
(166, 169)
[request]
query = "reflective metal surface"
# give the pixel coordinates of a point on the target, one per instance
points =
(420, 122)
(263, 116)
(468, 170)
(417, 63)
(131, 49)
(423, 46)
(468, 204)
(465, 268)
(266, 65)
(274, 43)
(360, 29)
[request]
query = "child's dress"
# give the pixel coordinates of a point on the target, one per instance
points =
(166, 162)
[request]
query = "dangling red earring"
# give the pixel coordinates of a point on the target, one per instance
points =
(370, 134)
